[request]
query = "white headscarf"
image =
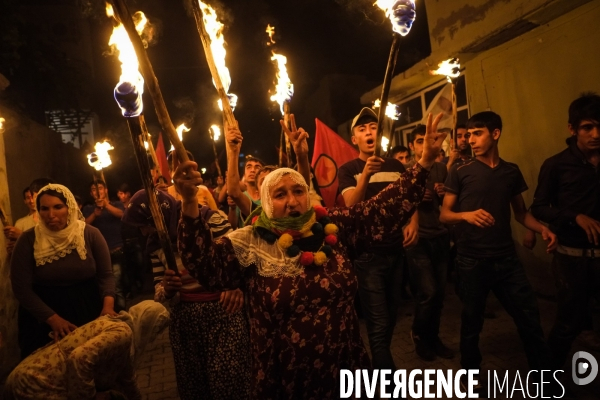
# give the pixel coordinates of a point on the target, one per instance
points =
(273, 179)
(51, 245)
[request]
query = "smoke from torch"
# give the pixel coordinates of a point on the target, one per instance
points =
(402, 14)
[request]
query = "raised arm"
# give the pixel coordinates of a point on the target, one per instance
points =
(212, 263)
(233, 145)
(298, 139)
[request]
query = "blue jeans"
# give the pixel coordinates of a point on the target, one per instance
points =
(577, 284)
(506, 278)
(379, 289)
(428, 269)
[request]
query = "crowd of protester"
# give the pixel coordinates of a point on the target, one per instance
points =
(262, 304)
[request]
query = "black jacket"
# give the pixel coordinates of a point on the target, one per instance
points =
(568, 185)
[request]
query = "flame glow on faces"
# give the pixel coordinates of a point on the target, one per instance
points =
(180, 129)
(129, 62)
(100, 158)
(401, 14)
(450, 68)
(391, 111)
(385, 142)
(284, 90)
(214, 28)
(216, 132)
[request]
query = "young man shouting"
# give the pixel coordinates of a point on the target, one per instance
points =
(378, 268)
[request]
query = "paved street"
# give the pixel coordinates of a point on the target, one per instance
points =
(500, 345)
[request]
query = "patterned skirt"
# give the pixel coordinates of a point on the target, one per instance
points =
(211, 350)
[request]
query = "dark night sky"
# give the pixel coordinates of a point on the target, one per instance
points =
(319, 38)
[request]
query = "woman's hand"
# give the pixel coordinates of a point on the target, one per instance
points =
(60, 327)
(298, 137)
(433, 141)
(171, 282)
(186, 179)
(232, 300)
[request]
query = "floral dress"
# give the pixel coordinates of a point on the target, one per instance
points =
(304, 328)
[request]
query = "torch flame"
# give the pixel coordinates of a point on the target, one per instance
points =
(270, 31)
(232, 101)
(216, 132)
(450, 68)
(214, 28)
(2, 123)
(285, 88)
(400, 12)
(384, 143)
(180, 129)
(391, 110)
(100, 158)
(129, 63)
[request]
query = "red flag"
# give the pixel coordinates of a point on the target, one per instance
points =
(330, 153)
(161, 155)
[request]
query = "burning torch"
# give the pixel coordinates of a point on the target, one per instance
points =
(138, 53)
(391, 111)
(284, 90)
(451, 69)
(99, 160)
(215, 134)
(128, 94)
(402, 15)
(211, 35)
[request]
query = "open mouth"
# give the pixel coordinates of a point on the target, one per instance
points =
(370, 141)
(295, 214)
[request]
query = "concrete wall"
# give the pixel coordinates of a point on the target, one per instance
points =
(457, 24)
(530, 81)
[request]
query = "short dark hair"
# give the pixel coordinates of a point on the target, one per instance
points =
(419, 130)
(39, 183)
(53, 193)
(253, 159)
(587, 106)
(398, 149)
(124, 188)
(485, 119)
(461, 126)
(25, 191)
(267, 168)
(98, 182)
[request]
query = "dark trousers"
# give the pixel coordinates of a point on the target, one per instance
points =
(577, 283)
(506, 278)
(428, 269)
(379, 278)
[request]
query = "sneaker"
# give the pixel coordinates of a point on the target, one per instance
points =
(441, 350)
(422, 348)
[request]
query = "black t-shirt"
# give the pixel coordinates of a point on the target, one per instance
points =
(478, 186)
(348, 176)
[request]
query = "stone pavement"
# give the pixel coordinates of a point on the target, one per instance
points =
(500, 346)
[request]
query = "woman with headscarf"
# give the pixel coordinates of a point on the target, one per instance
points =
(61, 272)
(294, 261)
(209, 329)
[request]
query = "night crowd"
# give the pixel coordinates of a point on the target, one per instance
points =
(264, 303)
